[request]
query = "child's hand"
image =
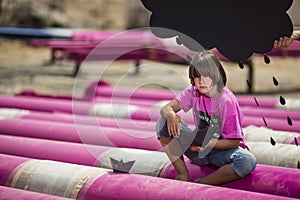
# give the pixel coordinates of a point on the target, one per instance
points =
(174, 125)
(196, 148)
(283, 42)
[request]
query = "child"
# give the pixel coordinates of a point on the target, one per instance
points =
(218, 137)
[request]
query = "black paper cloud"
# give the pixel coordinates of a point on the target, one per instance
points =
(237, 28)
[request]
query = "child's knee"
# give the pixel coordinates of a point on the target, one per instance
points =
(243, 164)
(162, 128)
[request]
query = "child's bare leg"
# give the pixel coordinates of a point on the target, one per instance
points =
(222, 175)
(174, 152)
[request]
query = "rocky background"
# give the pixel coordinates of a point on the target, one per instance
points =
(94, 14)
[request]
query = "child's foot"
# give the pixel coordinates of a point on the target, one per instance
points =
(182, 177)
(198, 180)
(203, 181)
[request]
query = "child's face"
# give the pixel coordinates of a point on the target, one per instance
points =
(204, 85)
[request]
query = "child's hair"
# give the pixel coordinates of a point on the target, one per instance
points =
(206, 63)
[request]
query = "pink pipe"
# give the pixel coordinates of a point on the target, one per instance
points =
(270, 112)
(124, 186)
(122, 124)
(138, 102)
(49, 150)
(273, 123)
(64, 105)
(103, 89)
(109, 185)
(47, 104)
(262, 101)
(91, 120)
(8, 193)
(44, 104)
(84, 107)
(7, 166)
(128, 93)
(143, 107)
(100, 99)
(67, 106)
(85, 134)
(148, 97)
(108, 137)
(134, 36)
(142, 113)
(273, 183)
(111, 133)
(270, 174)
(251, 110)
(61, 105)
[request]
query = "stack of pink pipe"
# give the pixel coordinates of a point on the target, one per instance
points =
(136, 134)
(87, 154)
(88, 129)
(254, 109)
(102, 89)
(278, 181)
(86, 134)
(104, 184)
(144, 109)
(62, 129)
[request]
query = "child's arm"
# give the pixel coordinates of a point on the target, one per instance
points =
(222, 144)
(169, 112)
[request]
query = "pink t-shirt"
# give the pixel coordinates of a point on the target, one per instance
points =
(224, 107)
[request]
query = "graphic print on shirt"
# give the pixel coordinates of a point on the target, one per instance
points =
(208, 127)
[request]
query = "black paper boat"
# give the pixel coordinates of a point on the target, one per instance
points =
(120, 166)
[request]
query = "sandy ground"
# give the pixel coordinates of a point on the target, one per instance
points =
(23, 67)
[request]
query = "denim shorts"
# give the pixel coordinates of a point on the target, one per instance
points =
(241, 160)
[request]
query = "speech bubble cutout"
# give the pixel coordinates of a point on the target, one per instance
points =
(237, 28)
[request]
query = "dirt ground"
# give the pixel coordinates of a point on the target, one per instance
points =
(23, 67)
